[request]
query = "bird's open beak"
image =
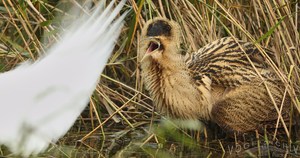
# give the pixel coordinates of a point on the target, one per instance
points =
(154, 45)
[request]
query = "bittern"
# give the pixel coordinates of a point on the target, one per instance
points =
(40, 101)
(223, 82)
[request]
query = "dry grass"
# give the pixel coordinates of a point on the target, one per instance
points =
(120, 102)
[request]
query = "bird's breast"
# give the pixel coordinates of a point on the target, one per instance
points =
(175, 95)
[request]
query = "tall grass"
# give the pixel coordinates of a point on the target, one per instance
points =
(120, 102)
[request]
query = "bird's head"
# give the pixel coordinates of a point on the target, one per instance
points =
(160, 40)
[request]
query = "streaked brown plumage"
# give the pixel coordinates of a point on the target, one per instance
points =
(216, 83)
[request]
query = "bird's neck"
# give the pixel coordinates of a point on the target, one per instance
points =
(174, 91)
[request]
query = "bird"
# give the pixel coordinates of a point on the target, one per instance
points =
(41, 100)
(217, 83)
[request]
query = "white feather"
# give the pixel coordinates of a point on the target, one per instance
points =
(39, 102)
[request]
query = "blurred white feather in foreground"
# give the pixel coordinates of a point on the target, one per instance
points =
(39, 102)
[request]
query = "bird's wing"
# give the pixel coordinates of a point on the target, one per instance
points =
(40, 101)
(225, 63)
